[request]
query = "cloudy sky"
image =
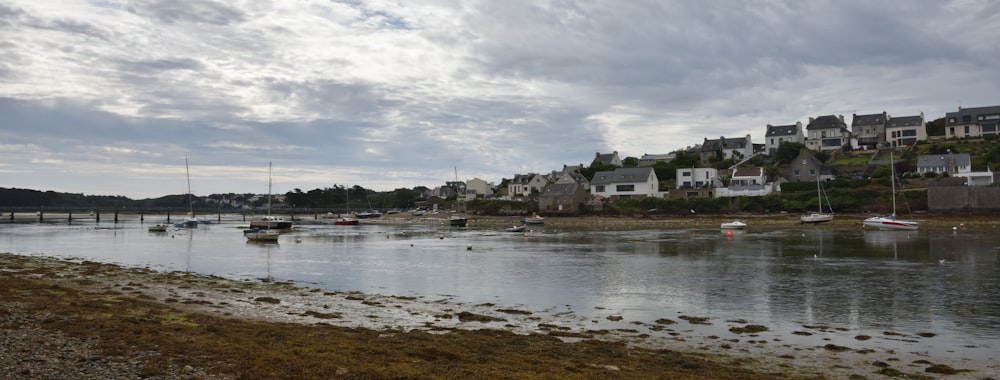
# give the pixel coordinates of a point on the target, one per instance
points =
(109, 97)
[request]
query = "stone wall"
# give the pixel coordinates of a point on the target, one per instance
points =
(971, 199)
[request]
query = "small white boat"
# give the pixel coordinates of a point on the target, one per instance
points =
(256, 234)
(816, 218)
(534, 219)
(516, 228)
(734, 225)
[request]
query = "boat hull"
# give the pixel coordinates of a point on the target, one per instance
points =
(271, 224)
(254, 234)
(733, 226)
(816, 218)
(890, 224)
(458, 222)
(346, 222)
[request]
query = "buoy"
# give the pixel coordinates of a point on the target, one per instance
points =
(729, 233)
(468, 247)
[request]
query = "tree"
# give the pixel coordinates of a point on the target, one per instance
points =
(787, 152)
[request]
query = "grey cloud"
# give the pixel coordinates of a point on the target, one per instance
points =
(183, 12)
(158, 65)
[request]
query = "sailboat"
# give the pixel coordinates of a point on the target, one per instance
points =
(270, 222)
(817, 217)
(890, 222)
(191, 221)
(347, 220)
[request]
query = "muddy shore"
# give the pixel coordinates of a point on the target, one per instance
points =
(74, 319)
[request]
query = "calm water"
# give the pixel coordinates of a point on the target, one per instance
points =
(867, 282)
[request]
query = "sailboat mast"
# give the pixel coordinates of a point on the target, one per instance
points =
(269, 188)
(188, 172)
(892, 179)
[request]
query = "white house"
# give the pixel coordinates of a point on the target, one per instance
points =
(777, 134)
(956, 165)
(524, 184)
(972, 122)
(746, 182)
(625, 183)
(688, 178)
(905, 130)
(478, 188)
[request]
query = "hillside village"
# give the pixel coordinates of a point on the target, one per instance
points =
(825, 147)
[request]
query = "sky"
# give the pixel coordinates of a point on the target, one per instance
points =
(112, 97)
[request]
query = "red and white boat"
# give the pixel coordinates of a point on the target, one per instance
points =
(346, 221)
(890, 222)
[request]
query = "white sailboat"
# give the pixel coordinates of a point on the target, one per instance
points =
(817, 217)
(191, 221)
(890, 222)
(269, 222)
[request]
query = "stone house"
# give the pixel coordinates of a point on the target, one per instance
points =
(562, 198)
(827, 133)
(725, 148)
(869, 130)
(607, 159)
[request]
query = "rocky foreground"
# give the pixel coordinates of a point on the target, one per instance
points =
(62, 319)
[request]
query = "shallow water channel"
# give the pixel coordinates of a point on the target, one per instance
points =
(933, 292)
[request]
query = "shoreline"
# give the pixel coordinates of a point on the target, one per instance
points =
(285, 307)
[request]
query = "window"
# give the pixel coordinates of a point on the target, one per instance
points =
(622, 188)
(989, 128)
(908, 133)
(795, 172)
(812, 172)
(685, 174)
(599, 188)
(951, 120)
(966, 129)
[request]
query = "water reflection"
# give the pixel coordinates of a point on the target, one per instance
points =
(865, 281)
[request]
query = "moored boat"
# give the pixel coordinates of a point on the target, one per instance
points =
(458, 221)
(889, 222)
(516, 228)
(271, 222)
(534, 219)
(346, 221)
(158, 228)
(734, 225)
(257, 234)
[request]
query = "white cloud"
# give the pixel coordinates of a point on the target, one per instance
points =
(387, 94)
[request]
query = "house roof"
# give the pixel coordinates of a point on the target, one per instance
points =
(559, 189)
(724, 143)
(906, 121)
(939, 160)
(782, 130)
(622, 175)
(749, 172)
(971, 113)
(873, 119)
(521, 179)
(826, 122)
(606, 158)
